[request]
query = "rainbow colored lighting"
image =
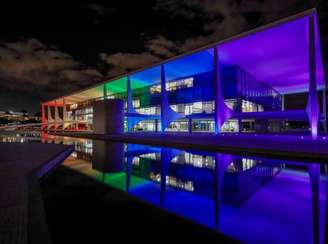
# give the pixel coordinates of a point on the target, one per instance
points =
(284, 56)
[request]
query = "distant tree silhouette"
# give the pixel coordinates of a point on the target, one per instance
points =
(37, 114)
(24, 111)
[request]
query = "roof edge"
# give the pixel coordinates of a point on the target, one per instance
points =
(308, 12)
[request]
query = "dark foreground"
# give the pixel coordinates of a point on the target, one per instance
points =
(21, 166)
(82, 210)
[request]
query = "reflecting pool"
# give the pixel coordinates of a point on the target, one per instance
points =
(252, 199)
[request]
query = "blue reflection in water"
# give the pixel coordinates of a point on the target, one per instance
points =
(256, 200)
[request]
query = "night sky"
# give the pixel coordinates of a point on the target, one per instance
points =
(53, 48)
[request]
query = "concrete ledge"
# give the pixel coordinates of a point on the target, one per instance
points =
(293, 147)
(21, 165)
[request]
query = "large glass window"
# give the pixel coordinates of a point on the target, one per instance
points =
(248, 106)
(203, 125)
(179, 126)
(136, 103)
(146, 126)
(149, 110)
(203, 107)
(197, 107)
(230, 126)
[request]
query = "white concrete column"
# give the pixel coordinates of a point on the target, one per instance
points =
(50, 119)
(64, 114)
(57, 119)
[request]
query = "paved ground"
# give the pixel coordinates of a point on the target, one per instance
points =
(293, 147)
(21, 165)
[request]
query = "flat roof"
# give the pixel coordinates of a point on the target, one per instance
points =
(236, 50)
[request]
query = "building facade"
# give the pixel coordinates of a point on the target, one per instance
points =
(236, 85)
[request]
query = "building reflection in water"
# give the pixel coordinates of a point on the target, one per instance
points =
(251, 199)
(107, 157)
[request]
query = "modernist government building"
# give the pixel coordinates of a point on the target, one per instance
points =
(268, 80)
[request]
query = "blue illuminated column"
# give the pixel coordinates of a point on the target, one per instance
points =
(312, 107)
(129, 160)
(130, 109)
(167, 114)
(222, 112)
(165, 161)
(189, 125)
(167, 155)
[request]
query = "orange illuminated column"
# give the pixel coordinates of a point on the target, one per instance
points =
(43, 117)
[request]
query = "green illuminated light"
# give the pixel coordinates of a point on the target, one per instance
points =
(116, 86)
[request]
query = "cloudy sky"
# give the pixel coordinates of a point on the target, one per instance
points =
(51, 49)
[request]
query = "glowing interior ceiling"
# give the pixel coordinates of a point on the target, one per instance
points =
(92, 93)
(59, 102)
(199, 62)
(116, 86)
(146, 77)
(278, 56)
(196, 63)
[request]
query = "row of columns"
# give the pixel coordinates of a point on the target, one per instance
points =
(50, 120)
(222, 112)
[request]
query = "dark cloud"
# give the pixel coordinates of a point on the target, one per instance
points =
(98, 13)
(124, 62)
(121, 36)
(162, 47)
(184, 8)
(30, 67)
(223, 18)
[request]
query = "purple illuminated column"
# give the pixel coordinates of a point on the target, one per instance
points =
(222, 112)
(312, 103)
(222, 161)
(314, 174)
(164, 100)
(324, 107)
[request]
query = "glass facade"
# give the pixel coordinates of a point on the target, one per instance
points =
(246, 78)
